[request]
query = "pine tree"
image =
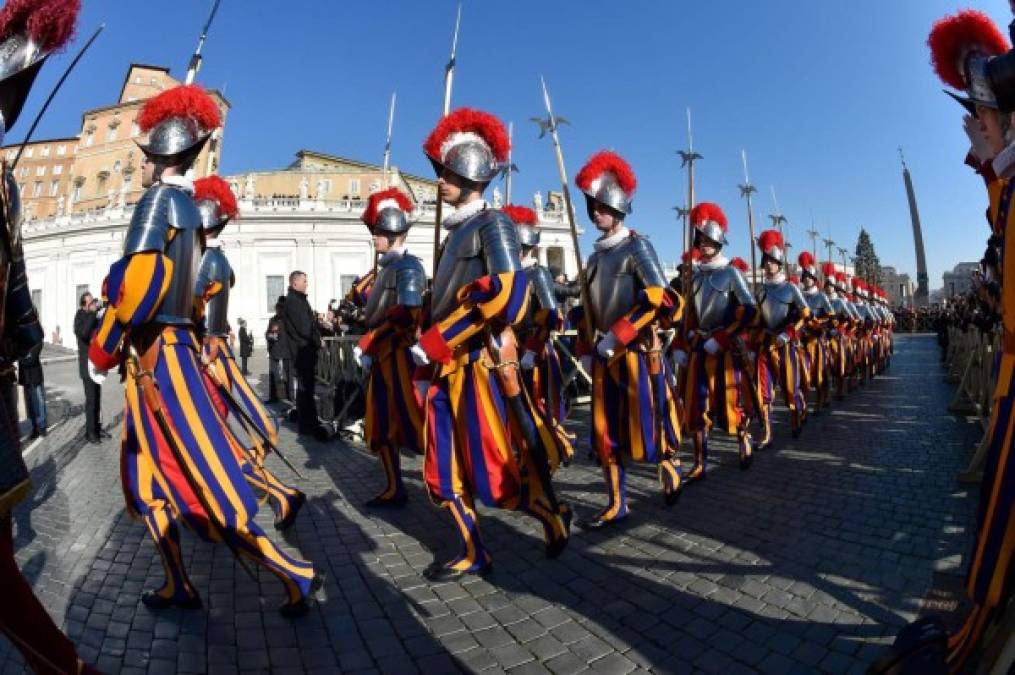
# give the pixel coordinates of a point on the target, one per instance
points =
(867, 264)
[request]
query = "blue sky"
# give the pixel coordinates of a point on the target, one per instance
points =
(820, 94)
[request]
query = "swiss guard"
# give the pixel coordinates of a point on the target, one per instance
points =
(476, 404)
(392, 308)
(541, 367)
(215, 278)
(813, 338)
(29, 33)
(836, 330)
(710, 345)
(634, 414)
(179, 462)
(783, 313)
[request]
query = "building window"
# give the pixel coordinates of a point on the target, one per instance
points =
(135, 130)
(37, 188)
(24, 171)
(10, 155)
(61, 150)
(326, 186)
(40, 170)
(89, 138)
(354, 187)
(111, 135)
(137, 79)
(76, 195)
(100, 184)
(347, 281)
(45, 151)
(58, 169)
(37, 300)
(54, 187)
(275, 288)
(29, 152)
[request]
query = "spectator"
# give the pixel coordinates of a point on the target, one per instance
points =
(57, 337)
(30, 378)
(279, 371)
(303, 339)
(85, 322)
(246, 346)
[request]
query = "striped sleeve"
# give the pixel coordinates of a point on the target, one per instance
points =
(648, 303)
(500, 298)
(401, 320)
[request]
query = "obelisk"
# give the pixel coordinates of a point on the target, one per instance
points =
(922, 295)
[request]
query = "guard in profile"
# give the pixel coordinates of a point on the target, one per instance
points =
(392, 307)
(225, 380)
(179, 461)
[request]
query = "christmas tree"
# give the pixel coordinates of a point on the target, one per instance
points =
(867, 264)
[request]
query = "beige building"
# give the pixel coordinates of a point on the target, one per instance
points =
(900, 287)
(99, 168)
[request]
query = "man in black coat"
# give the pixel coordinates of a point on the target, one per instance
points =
(279, 373)
(86, 320)
(303, 339)
(246, 346)
(30, 378)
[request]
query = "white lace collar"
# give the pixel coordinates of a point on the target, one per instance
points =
(463, 213)
(181, 182)
(213, 243)
(777, 279)
(392, 255)
(606, 243)
(715, 263)
(813, 290)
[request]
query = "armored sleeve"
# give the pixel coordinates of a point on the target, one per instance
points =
(802, 311)
(149, 226)
(500, 297)
(547, 316)
(410, 281)
(402, 319)
(651, 296)
(745, 312)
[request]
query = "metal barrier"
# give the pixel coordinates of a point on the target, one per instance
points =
(970, 360)
(340, 383)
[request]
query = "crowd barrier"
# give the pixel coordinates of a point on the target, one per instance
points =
(970, 362)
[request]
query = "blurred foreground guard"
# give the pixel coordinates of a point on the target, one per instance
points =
(215, 279)
(179, 461)
(29, 32)
(477, 411)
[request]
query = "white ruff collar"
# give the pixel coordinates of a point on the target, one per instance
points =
(392, 255)
(813, 290)
(213, 243)
(181, 182)
(463, 213)
(715, 263)
(606, 243)
(777, 279)
(832, 295)
(530, 261)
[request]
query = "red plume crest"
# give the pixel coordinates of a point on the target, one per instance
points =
(370, 213)
(216, 189)
(605, 161)
(770, 239)
(706, 211)
(806, 259)
(952, 36)
(465, 120)
(521, 215)
(828, 269)
(50, 23)
(740, 264)
(187, 100)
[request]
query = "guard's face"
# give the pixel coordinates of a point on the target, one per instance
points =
(990, 125)
(603, 217)
(147, 172)
(771, 267)
(808, 283)
(381, 243)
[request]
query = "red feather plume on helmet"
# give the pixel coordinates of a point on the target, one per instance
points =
(770, 239)
(605, 161)
(840, 276)
(466, 120)
(371, 211)
(794, 279)
(521, 215)
(856, 282)
(740, 264)
(187, 100)
(216, 189)
(954, 36)
(706, 211)
(806, 259)
(50, 23)
(828, 269)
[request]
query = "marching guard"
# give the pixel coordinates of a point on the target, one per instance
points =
(477, 411)
(179, 462)
(392, 306)
(709, 344)
(836, 330)
(634, 413)
(215, 279)
(813, 339)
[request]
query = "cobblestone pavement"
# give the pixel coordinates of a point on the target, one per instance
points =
(806, 563)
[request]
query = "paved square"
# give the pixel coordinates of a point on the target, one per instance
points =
(806, 563)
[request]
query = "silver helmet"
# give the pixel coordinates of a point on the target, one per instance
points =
(391, 220)
(606, 190)
(467, 155)
(211, 216)
(174, 136)
(528, 236)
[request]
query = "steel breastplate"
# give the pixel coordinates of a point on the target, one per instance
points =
(818, 304)
(486, 243)
(613, 287)
(776, 302)
(712, 291)
(184, 249)
(383, 296)
(215, 268)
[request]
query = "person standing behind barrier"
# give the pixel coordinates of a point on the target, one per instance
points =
(85, 322)
(278, 360)
(31, 379)
(246, 346)
(303, 339)
(394, 415)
